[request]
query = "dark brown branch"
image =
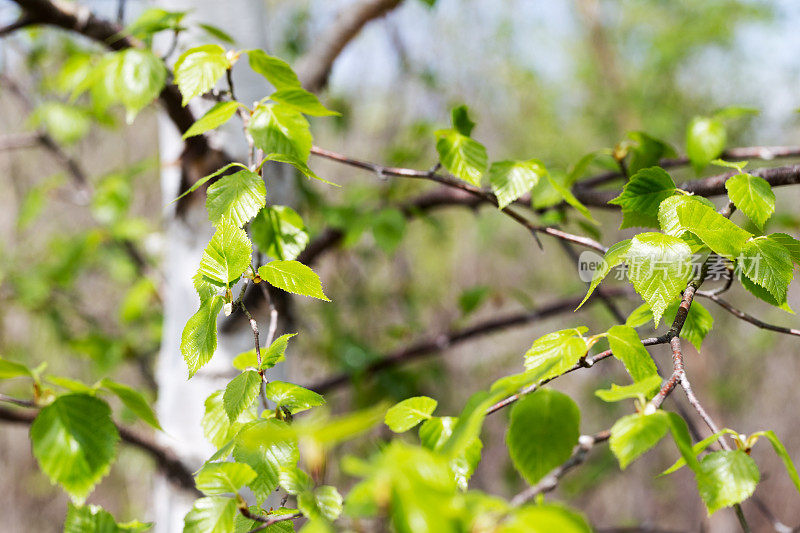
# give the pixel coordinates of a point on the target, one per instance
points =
(439, 343)
(18, 24)
(746, 317)
(766, 153)
(166, 460)
(315, 66)
(550, 481)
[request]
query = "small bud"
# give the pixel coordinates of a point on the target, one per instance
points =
(228, 308)
(649, 409)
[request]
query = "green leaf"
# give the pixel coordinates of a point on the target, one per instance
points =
(276, 70)
(463, 157)
(471, 299)
(139, 79)
(10, 369)
(568, 197)
(388, 227)
(280, 129)
(240, 393)
(293, 397)
(646, 151)
(198, 69)
(217, 427)
(640, 389)
(642, 195)
(154, 20)
(294, 480)
(95, 519)
(133, 400)
(216, 33)
(791, 244)
(696, 450)
(780, 450)
(615, 256)
(668, 213)
(215, 117)
(626, 346)
(279, 232)
(512, 179)
(301, 166)
(74, 440)
(726, 478)
(563, 347)
(269, 356)
(65, 123)
(212, 514)
(760, 292)
(237, 197)
(753, 196)
(293, 277)
(434, 433)
(199, 337)
(245, 525)
(768, 264)
(410, 412)
(544, 429)
(705, 141)
(303, 101)
(266, 457)
(215, 479)
(461, 121)
(633, 435)
(202, 181)
(545, 518)
(227, 255)
(717, 232)
(659, 267)
(328, 501)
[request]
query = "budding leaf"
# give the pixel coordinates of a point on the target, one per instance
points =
(462, 156)
(294, 277)
(280, 129)
(726, 478)
(198, 69)
(410, 412)
(642, 195)
(237, 197)
(753, 196)
(512, 179)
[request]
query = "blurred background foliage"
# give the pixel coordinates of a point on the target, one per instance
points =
(79, 263)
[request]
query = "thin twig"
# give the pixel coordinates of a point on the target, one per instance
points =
(746, 317)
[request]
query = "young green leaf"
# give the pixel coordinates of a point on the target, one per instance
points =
(563, 347)
(717, 232)
(215, 479)
(154, 20)
(659, 267)
(768, 264)
(270, 356)
(459, 116)
(753, 196)
(293, 277)
(217, 427)
(301, 166)
(66, 123)
(545, 518)
(626, 346)
(697, 325)
(434, 432)
(280, 129)
(410, 412)
(512, 179)
(303, 101)
(563, 190)
(227, 255)
(199, 337)
(633, 435)
(212, 514)
(202, 181)
(140, 77)
(668, 213)
(279, 232)
(697, 449)
(462, 156)
(544, 429)
(275, 70)
(198, 69)
(726, 478)
(237, 197)
(10, 369)
(646, 151)
(215, 117)
(328, 501)
(240, 393)
(642, 195)
(95, 519)
(615, 256)
(265, 456)
(791, 244)
(705, 141)
(780, 450)
(640, 389)
(293, 397)
(133, 400)
(294, 480)
(74, 440)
